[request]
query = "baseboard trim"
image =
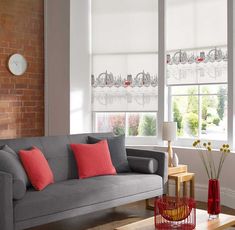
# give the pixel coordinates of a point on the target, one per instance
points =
(227, 195)
(201, 191)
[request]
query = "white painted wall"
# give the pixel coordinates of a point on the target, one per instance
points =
(67, 70)
(227, 178)
(57, 117)
(80, 90)
(190, 157)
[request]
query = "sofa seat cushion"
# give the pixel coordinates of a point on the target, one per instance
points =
(75, 193)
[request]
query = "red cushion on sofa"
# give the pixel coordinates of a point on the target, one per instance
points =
(37, 168)
(93, 159)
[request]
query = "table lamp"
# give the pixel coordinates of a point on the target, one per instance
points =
(169, 134)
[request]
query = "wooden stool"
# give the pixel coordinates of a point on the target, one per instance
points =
(183, 178)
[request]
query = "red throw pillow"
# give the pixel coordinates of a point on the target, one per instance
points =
(93, 159)
(37, 168)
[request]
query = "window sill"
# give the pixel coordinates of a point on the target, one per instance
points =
(164, 147)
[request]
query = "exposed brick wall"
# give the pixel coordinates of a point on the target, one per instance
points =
(22, 97)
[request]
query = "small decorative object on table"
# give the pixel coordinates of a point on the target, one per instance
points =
(169, 134)
(175, 160)
(213, 173)
(176, 213)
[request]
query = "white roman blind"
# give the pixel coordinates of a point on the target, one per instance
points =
(124, 55)
(196, 42)
(199, 67)
(125, 99)
(124, 26)
(196, 68)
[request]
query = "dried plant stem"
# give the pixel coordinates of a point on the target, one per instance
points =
(203, 160)
(222, 159)
(211, 164)
(207, 158)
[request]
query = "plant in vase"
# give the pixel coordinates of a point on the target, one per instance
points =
(213, 171)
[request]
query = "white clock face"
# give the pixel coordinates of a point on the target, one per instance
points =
(17, 64)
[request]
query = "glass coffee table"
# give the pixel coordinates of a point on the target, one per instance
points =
(223, 222)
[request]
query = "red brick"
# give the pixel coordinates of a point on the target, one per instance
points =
(7, 86)
(4, 91)
(21, 86)
(22, 98)
(4, 104)
(29, 103)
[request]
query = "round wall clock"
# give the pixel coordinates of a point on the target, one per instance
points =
(17, 64)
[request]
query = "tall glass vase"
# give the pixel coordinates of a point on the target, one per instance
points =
(213, 204)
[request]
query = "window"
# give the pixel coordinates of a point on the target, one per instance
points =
(124, 67)
(200, 111)
(125, 93)
(132, 124)
(196, 69)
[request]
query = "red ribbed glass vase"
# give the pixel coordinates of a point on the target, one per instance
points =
(213, 204)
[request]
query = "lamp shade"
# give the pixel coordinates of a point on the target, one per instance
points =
(169, 131)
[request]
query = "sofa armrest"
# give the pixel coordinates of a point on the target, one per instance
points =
(161, 157)
(6, 201)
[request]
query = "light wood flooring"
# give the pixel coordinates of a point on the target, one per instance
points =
(111, 218)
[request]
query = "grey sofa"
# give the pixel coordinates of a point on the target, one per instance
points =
(69, 196)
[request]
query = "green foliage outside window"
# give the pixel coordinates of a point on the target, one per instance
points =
(192, 119)
(178, 118)
(192, 101)
(207, 101)
(118, 130)
(216, 121)
(133, 122)
(147, 126)
(221, 103)
(117, 122)
(204, 125)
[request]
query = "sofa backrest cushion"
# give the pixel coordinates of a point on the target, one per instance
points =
(117, 151)
(60, 157)
(56, 150)
(10, 163)
(22, 174)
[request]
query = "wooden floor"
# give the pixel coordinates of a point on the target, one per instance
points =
(111, 218)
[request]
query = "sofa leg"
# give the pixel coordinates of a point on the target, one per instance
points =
(148, 206)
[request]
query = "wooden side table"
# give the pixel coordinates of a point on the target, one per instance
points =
(178, 169)
(181, 175)
(183, 178)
